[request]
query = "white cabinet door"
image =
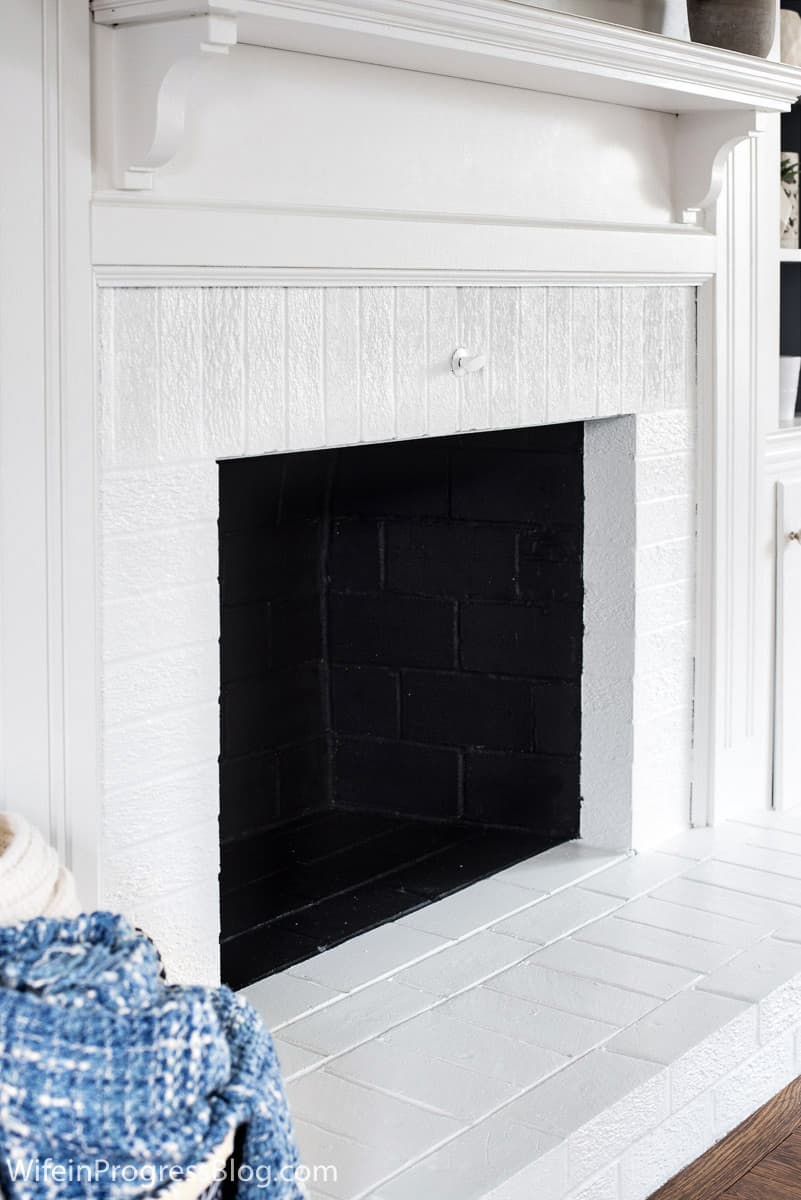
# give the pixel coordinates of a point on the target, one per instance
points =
(787, 770)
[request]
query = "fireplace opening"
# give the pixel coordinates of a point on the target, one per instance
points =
(401, 655)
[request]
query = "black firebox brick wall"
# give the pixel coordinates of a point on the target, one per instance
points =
(401, 664)
(275, 726)
(455, 628)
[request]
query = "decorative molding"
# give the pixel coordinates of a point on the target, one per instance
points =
(167, 276)
(738, 368)
(196, 40)
(702, 149)
(497, 41)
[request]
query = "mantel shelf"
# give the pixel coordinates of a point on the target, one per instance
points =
(498, 41)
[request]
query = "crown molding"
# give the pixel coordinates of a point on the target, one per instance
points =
(500, 41)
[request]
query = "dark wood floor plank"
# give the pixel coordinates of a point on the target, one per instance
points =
(714, 1176)
(789, 1151)
(768, 1180)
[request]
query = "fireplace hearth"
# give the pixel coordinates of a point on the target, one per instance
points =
(401, 658)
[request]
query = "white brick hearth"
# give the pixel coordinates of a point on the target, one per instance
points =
(191, 375)
(588, 1045)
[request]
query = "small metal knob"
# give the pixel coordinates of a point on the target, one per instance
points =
(465, 363)
(795, 536)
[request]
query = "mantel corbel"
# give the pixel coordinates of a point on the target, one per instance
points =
(153, 129)
(703, 143)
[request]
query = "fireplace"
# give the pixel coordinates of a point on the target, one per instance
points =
(207, 392)
(401, 636)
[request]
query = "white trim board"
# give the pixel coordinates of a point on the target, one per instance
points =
(159, 234)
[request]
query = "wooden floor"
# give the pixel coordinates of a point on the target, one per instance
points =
(777, 1177)
(760, 1160)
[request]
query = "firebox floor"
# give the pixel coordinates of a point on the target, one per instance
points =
(294, 891)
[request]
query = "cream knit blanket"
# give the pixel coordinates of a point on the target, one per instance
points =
(32, 881)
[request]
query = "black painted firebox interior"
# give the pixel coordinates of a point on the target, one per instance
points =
(401, 670)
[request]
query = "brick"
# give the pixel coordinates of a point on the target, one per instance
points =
(526, 791)
(556, 917)
(699, 1036)
(248, 794)
(138, 688)
(264, 563)
(282, 998)
(614, 967)
(354, 556)
(668, 475)
(639, 874)
(365, 701)
(159, 559)
(515, 1017)
(423, 1079)
(594, 1102)
(397, 777)
(480, 1161)
(133, 870)
(160, 806)
(603, 1186)
(185, 926)
(512, 485)
(259, 714)
(297, 635)
(664, 605)
(656, 1158)
(466, 963)
(466, 710)
(304, 777)
(392, 480)
(518, 640)
(160, 621)
(245, 641)
(549, 582)
(250, 491)
(403, 631)
(562, 865)
(456, 559)
(369, 1012)
(754, 1083)
(252, 954)
(557, 719)
(170, 741)
(305, 484)
(477, 1049)
(661, 945)
(351, 1108)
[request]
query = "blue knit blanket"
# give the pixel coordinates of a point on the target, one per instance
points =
(110, 1078)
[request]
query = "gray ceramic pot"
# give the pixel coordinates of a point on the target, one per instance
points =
(743, 25)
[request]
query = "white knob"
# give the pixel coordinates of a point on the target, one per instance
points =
(465, 363)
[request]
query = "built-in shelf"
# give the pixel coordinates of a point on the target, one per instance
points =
(498, 41)
(790, 256)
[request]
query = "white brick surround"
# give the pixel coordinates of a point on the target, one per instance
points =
(630, 1013)
(190, 375)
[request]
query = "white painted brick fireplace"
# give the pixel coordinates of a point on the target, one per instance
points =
(191, 375)
(337, 196)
